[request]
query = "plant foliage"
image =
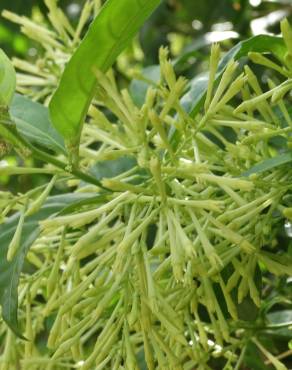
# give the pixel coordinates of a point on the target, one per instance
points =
(155, 252)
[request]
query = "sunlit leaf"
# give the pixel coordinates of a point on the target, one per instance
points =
(7, 80)
(110, 32)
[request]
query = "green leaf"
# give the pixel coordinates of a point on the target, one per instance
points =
(33, 123)
(138, 87)
(10, 271)
(280, 318)
(112, 168)
(194, 98)
(111, 31)
(270, 163)
(253, 358)
(7, 80)
(85, 201)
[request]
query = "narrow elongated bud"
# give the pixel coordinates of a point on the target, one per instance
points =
(167, 70)
(229, 302)
(131, 361)
(6, 358)
(130, 239)
(287, 34)
(233, 89)
(243, 288)
(231, 235)
(229, 181)
(158, 126)
(181, 235)
(52, 281)
(214, 60)
(173, 361)
(134, 314)
(173, 97)
(37, 203)
(55, 332)
(15, 242)
(85, 240)
(83, 218)
(177, 258)
(281, 91)
(225, 80)
(83, 18)
(150, 284)
(254, 102)
(77, 329)
(121, 186)
(259, 58)
(280, 102)
(208, 248)
(155, 169)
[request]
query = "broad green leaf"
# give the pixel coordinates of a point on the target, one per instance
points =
(110, 32)
(33, 123)
(7, 80)
(112, 168)
(87, 200)
(10, 271)
(194, 98)
(283, 320)
(270, 163)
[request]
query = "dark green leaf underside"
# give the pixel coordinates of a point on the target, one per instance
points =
(33, 123)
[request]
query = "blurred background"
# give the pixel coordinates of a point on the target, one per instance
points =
(182, 23)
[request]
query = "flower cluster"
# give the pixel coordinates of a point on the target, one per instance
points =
(164, 263)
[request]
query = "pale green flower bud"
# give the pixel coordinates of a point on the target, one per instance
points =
(214, 60)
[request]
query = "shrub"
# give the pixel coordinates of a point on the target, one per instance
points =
(163, 225)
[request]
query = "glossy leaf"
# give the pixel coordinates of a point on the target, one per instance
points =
(194, 98)
(278, 320)
(7, 80)
(110, 32)
(10, 271)
(112, 168)
(270, 163)
(33, 123)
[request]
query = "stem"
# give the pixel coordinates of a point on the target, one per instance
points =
(45, 157)
(56, 162)
(277, 326)
(281, 356)
(240, 359)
